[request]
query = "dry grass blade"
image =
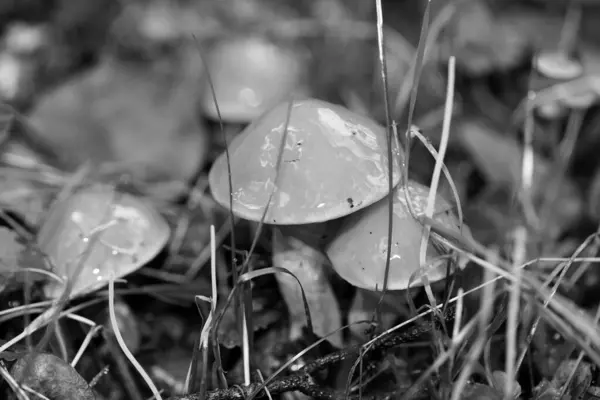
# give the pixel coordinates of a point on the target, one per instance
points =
(560, 166)
(51, 315)
(205, 254)
(183, 223)
(484, 316)
(390, 154)
(227, 156)
(206, 335)
(275, 184)
(14, 385)
(453, 188)
(418, 66)
(520, 235)
(248, 276)
(428, 36)
(416, 70)
(561, 313)
(578, 361)
(86, 342)
(238, 281)
(439, 164)
(122, 345)
(234, 271)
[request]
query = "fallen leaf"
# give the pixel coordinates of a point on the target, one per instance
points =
(51, 376)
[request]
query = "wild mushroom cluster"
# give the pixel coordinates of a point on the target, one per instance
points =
(316, 173)
(327, 205)
(97, 230)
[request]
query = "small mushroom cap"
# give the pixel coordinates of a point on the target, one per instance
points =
(335, 162)
(358, 253)
(249, 76)
(23, 38)
(128, 236)
(552, 110)
(557, 65)
(578, 100)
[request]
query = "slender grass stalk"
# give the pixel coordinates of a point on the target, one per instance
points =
(122, 345)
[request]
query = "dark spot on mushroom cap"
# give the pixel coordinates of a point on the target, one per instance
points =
(350, 202)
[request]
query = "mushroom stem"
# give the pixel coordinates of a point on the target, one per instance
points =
(363, 308)
(298, 250)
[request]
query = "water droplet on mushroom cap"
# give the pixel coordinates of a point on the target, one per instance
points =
(331, 155)
(125, 232)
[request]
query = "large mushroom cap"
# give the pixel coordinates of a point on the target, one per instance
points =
(358, 253)
(335, 162)
(249, 76)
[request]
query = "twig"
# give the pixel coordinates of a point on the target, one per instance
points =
(303, 381)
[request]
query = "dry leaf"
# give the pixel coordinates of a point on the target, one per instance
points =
(51, 376)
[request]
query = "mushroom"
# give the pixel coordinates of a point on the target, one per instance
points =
(558, 65)
(20, 61)
(358, 251)
(249, 75)
(334, 163)
(559, 89)
(124, 233)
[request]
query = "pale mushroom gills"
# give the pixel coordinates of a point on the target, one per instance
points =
(124, 232)
(334, 163)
